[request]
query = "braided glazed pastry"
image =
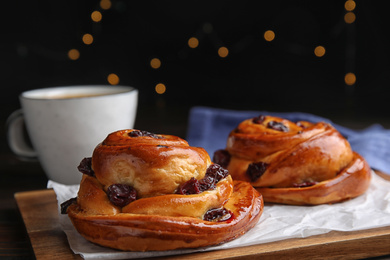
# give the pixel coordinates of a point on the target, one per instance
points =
(294, 163)
(141, 191)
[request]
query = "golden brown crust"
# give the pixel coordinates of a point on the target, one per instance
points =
(159, 219)
(183, 205)
(303, 153)
(141, 232)
(351, 182)
(93, 199)
(152, 166)
(254, 141)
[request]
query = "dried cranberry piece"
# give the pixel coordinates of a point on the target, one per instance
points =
(277, 126)
(304, 184)
(259, 119)
(120, 194)
(85, 166)
(255, 170)
(217, 215)
(222, 157)
(138, 133)
(189, 187)
(65, 205)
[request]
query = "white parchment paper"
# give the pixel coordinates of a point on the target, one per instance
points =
(278, 222)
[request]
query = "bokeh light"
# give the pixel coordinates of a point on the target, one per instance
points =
(223, 52)
(96, 16)
(105, 4)
(319, 51)
(350, 78)
(350, 5)
(349, 17)
(73, 54)
(87, 39)
(193, 42)
(160, 88)
(155, 63)
(269, 35)
(113, 79)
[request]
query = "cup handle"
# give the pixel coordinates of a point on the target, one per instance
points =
(16, 135)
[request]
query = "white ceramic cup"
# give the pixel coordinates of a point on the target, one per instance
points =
(65, 124)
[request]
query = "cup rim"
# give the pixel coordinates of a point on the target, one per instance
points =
(54, 93)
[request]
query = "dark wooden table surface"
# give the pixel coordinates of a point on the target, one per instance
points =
(16, 176)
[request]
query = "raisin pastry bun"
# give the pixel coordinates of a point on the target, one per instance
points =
(294, 163)
(142, 191)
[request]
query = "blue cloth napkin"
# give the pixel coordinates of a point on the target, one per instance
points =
(210, 127)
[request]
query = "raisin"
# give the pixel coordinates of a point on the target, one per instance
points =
(189, 187)
(120, 194)
(255, 170)
(217, 215)
(217, 171)
(259, 119)
(85, 166)
(138, 133)
(65, 205)
(222, 157)
(207, 183)
(213, 175)
(277, 126)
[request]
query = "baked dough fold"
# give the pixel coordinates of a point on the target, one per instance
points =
(298, 163)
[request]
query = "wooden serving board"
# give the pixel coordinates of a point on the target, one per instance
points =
(39, 212)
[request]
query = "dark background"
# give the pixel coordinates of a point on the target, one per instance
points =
(281, 75)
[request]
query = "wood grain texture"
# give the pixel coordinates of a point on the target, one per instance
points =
(40, 215)
(39, 212)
